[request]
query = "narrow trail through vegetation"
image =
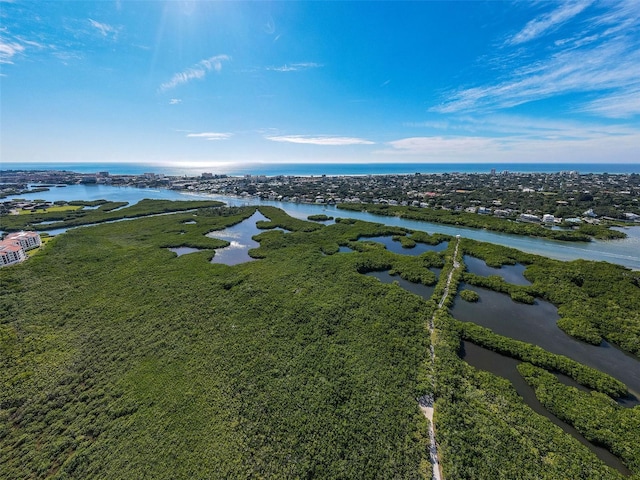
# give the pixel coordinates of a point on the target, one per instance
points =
(426, 401)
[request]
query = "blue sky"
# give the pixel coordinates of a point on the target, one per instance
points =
(216, 83)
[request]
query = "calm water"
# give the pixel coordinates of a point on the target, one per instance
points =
(318, 169)
(506, 367)
(184, 250)
(417, 288)
(537, 324)
(624, 252)
(510, 273)
(239, 236)
(396, 247)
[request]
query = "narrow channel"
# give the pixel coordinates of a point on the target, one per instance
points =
(506, 367)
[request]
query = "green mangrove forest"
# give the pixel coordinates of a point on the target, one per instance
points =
(583, 233)
(120, 359)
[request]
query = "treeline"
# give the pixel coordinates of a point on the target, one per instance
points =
(595, 300)
(594, 415)
(102, 205)
(319, 218)
(120, 360)
(279, 218)
(487, 222)
(484, 429)
(587, 376)
(496, 255)
(518, 293)
(104, 213)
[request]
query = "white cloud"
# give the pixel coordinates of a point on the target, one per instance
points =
(319, 140)
(8, 49)
(198, 71)
(616, 105)
(539, 26)
(210, 135)
(440, 145)
(605, 67)
(175, 101)
(105, 30)
(621, 149)
(295, 67)
(502, 125)
(601, 61)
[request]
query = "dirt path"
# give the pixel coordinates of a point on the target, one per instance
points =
(426, 401)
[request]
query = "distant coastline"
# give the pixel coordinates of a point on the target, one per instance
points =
(331, 169)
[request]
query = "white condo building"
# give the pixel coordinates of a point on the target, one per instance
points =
(14, 246)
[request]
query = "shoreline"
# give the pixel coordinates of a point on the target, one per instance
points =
(326, 168)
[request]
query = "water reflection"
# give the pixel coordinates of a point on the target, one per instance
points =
(623, 252)
(506, 367)
(396, 247)
(343, 249)
(510, 273)
(536, 324)
(425, 291)
(184, 250)
(239, 237)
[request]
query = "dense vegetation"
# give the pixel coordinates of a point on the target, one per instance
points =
(593, 414)
(485, 430)
(487, 222)
(469, 296)
(319, 218)
(587, 376)
(120, 360)
(595, 300)
(107, 211)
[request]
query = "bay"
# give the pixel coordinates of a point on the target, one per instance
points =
(624, 252)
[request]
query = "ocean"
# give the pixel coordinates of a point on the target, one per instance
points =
(330, 169)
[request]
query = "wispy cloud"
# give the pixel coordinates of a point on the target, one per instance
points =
(9, 49)
(440, 145)
(175, 101)
(616, 105)
(549, 21)
(319, 140)
(198, 71)
(295, 67)
(602, 61)
(522, 127)
(210, 135)
(527, 150)
(105, 29)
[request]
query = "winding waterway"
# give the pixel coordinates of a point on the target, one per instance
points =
(240, 241)
(506, 367)
(537, 324)
(624, 252)
(534, 324)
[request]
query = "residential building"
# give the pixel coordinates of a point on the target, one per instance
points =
(14, 246)
(27, 240)
(11, 253)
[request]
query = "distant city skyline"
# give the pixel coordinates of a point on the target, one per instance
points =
(209, 84)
